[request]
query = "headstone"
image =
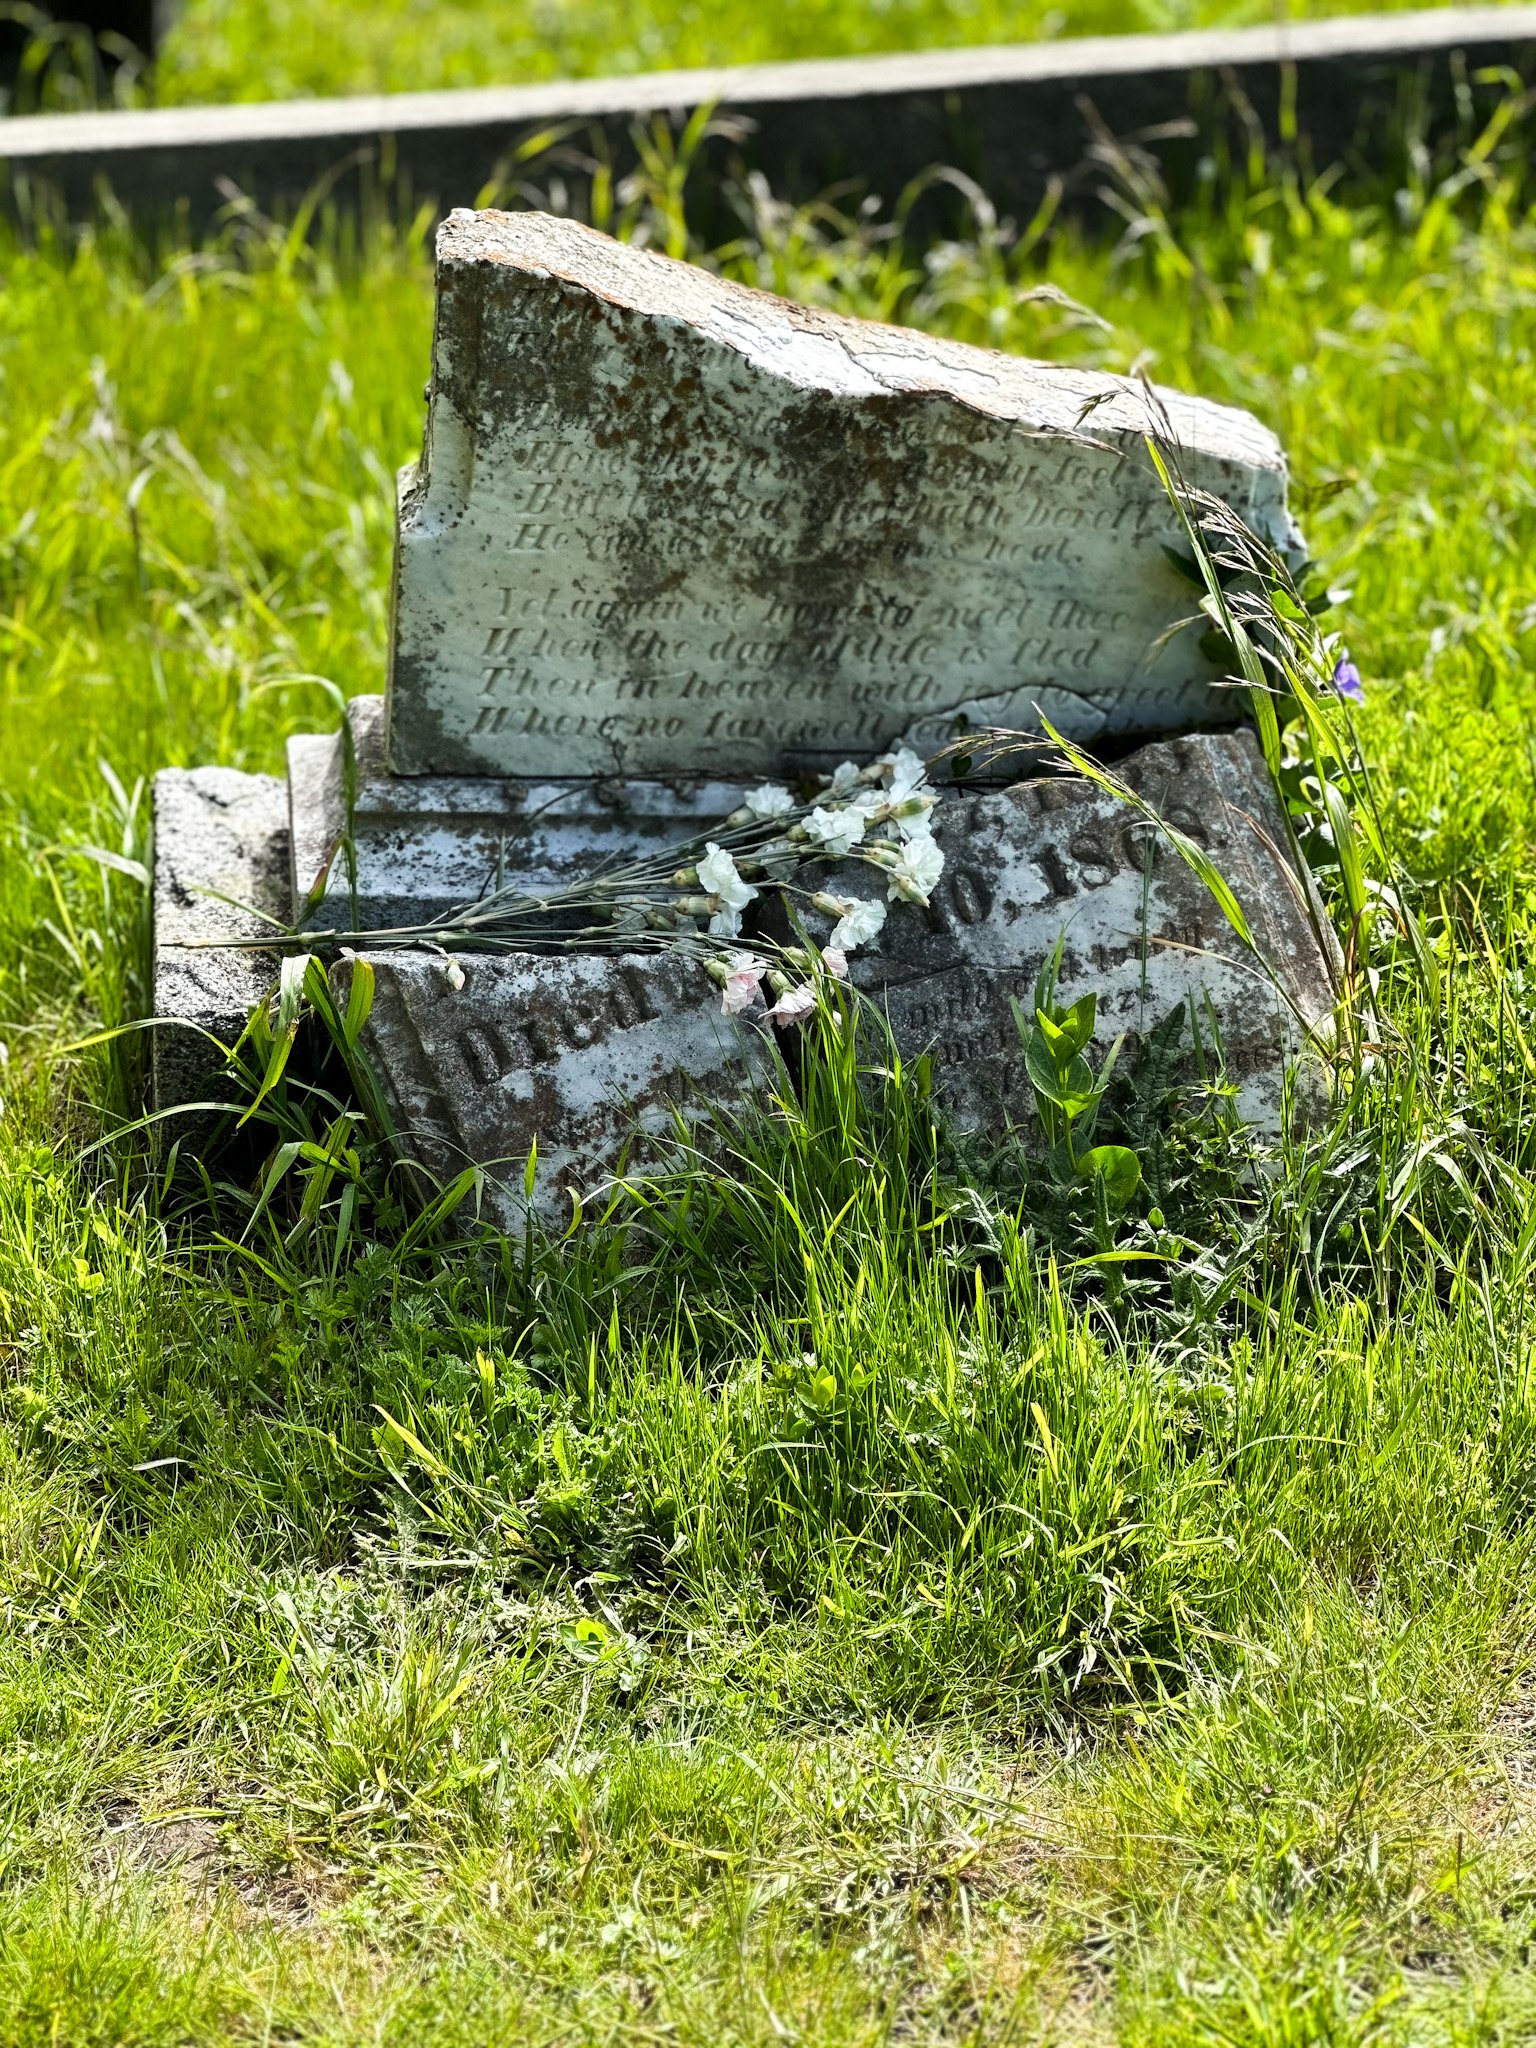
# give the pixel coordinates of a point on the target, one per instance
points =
(485, 1059)
(670, 537)
(666, 524)
(1059, 857)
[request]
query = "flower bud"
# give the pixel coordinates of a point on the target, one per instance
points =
(778, 982)
(685, 878)
(718, 972)
(828, 904)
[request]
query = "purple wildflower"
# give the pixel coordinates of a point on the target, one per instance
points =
(1346, 680)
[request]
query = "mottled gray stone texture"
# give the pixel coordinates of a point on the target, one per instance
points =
(666, 524)
(481, 1056)
(218, 834)
(428, 845)
(1063, 857)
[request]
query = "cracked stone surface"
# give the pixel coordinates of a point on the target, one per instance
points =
(664, 524)
(427, 845)
(1052, 858)
(481, 1056)
(219, 834)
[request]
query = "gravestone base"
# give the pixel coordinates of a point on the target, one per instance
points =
(424, 846)
(548, 1071)
(483, 1059)
(221, 872)
(1062, 858)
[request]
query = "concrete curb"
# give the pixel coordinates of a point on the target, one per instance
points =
(1012, 116)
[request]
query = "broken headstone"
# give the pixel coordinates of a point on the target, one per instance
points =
(669, 536)
(666, 524)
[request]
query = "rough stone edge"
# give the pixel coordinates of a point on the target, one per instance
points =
(215, 829)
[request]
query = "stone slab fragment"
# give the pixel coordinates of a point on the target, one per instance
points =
(219, 834)
(482, 1055)
(1061, 857)
(664, 523)
(425, 846)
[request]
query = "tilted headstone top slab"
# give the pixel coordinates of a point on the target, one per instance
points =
(667, 524)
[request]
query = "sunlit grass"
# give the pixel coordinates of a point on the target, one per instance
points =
(279, 49)
(440, 1651)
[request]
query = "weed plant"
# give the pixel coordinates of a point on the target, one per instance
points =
(809, 1602)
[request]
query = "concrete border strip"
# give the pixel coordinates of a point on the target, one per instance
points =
(1010, 108)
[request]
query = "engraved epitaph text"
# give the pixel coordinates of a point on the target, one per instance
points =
(665, 523)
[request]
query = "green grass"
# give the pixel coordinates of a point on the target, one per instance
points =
(401, 1646)
(228, 49)
(280, 49)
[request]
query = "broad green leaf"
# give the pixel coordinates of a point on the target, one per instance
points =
(1117, 1167)
(1041, 1068)
(1079, 1022)
(1057, 1039)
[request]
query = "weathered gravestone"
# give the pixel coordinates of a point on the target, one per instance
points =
(1139, 928)
(669, 536)
(664, 524)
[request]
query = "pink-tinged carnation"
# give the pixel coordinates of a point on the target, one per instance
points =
(793, 1007)
(835, 961)
(744, 984)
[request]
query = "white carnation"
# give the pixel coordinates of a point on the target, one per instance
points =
(838, 831)
(717, 874)
(862, 919)
(915, 876)
(906, 774)
(770, 800)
